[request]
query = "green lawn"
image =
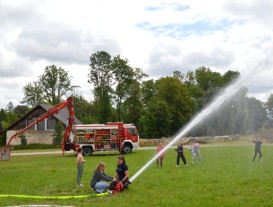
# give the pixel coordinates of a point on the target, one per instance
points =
(227, 177)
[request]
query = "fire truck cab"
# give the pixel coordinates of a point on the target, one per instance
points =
(113, 136)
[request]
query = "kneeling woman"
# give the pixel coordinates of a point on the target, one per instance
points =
(99, 175)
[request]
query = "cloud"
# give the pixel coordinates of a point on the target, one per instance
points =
(14, 13)
(59, 43)
(259, 11)
(158, 36)
(165, 60)
(164, 5)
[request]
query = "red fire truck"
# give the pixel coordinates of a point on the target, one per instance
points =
(113, 136)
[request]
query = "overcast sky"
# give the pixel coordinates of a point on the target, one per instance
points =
(154, 35)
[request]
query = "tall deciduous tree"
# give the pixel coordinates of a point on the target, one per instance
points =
(84, 110)
(269, 106)
(51, 86)
(175, 94)
(10, 107)
(148, 91)
(210, 82)
(55, 83)
(124, 76)
(33, 94)
(256, 115)
(133, 104)
(230, 76)
(101, 77)
(156, 119)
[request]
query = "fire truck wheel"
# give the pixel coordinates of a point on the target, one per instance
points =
(87, 151)
(126, 149)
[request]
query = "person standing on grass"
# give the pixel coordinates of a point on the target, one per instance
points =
(161, 157)
(195, 151)
(96, 182)
(80, 161)
(258, 145)
(180, 154)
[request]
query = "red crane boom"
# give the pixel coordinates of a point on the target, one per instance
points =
(54, 110)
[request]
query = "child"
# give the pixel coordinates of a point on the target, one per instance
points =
(258, 144)
(80, 161)
(195, 151)
(180, 153)
(161, 157)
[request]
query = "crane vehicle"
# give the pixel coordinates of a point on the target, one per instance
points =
(53, 110)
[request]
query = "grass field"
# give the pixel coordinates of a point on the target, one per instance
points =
(227, 177)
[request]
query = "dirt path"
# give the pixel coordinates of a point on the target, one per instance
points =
(14, 153)
(39, 153)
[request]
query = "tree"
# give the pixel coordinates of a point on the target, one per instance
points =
(256, 115)
(58, 135)
(175, 94)
(84, 110)
(3, 115)
(124, 76)
(156, 120)
(55, 83)
(269, 107)
(50, 87)
(210, 82)
(230, 76)
(20, 110)
(132, 106)
(101, 77)
(179, 75)
(195, 92)
(10, 107)
(148, 91)
(33, 94)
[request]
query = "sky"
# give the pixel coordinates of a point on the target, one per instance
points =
(155, 35)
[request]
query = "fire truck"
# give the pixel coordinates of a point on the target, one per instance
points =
(113, 136)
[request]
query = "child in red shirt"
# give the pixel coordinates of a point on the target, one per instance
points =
(161, 157)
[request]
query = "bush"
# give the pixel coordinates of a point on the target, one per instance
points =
(59, 133)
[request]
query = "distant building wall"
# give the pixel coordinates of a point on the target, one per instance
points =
(33, 137)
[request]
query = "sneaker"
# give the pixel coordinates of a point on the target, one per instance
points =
(81, 185)
(192, 162)
(186, 165)
(109, 191)
(177, 165)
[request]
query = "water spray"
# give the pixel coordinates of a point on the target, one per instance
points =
(229, 92)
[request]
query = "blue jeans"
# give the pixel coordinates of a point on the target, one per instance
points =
(100, 187)
(194, 154)
(79, 175)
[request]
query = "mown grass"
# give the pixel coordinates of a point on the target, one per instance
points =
(227, 177)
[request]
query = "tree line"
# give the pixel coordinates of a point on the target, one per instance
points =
(158, 107)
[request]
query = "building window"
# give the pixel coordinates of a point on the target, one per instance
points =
(51, 123)
(41, 125)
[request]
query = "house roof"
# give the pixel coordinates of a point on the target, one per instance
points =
(62, 116)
